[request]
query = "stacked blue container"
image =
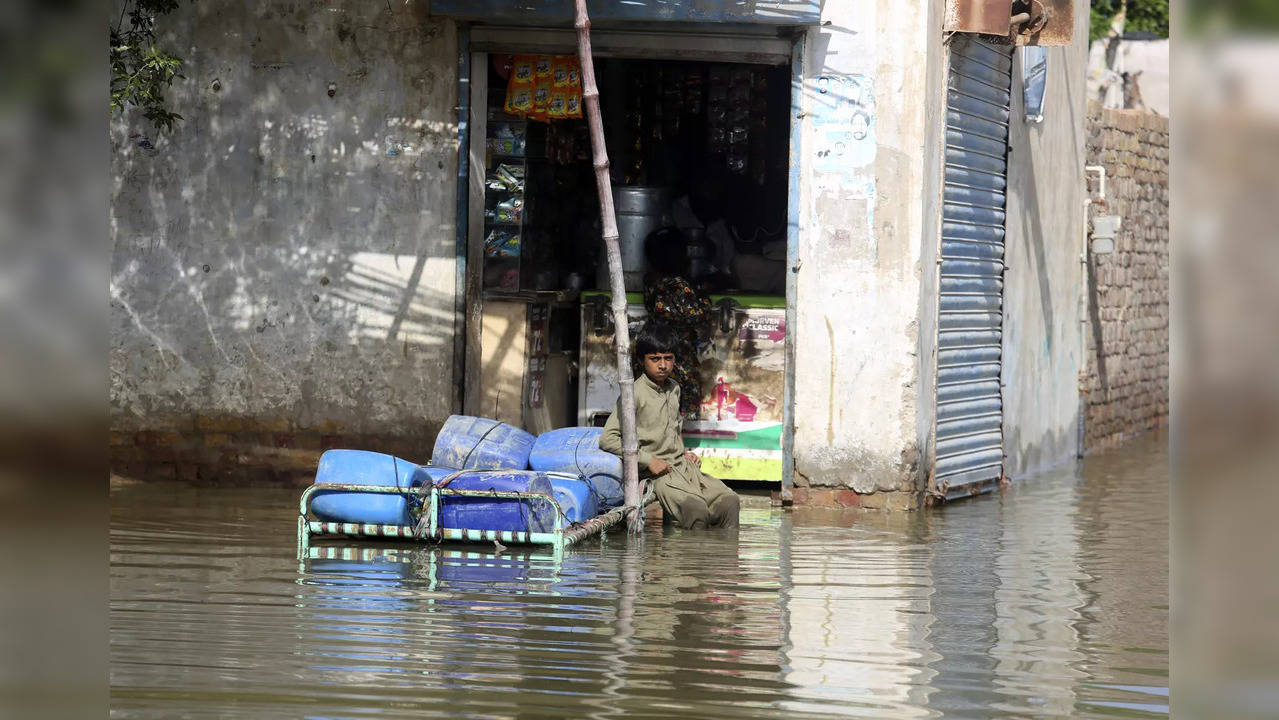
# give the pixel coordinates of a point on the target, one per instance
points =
(361, 467)
(473, 453)
(475, 443)
(576, 451)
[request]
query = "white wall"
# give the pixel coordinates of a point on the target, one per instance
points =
(862, 217)
(1148, 57)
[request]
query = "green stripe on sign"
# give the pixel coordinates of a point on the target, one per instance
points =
(765, 438)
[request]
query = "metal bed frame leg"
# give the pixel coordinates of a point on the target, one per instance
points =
(557, 549)
(304, 537)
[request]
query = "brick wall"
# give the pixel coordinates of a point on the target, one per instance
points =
(1127, 327)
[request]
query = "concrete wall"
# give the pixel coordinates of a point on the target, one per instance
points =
(1127, 360)
(283, 264)
(869, 98)
(1147, 57)
(1042, 352)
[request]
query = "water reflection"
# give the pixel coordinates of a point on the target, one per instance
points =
(1048, 600)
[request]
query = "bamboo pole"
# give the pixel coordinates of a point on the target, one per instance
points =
(617, 285)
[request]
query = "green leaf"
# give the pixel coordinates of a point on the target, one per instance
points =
(141, 72)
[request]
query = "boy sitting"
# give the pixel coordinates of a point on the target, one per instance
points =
(689, 497)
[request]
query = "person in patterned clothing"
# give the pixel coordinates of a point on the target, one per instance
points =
(673, 301)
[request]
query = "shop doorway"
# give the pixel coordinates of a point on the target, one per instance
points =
(701, 169)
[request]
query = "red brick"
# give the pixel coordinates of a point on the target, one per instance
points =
(822, 497)
(847, 498)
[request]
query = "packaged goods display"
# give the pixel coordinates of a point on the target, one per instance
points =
(544, 88)
(506, 138)
(507, 177)
(709, 137)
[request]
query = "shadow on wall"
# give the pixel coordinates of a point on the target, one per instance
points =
(1040, 423)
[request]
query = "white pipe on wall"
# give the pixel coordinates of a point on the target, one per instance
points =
(1089, 200)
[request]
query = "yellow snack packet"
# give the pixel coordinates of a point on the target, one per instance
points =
(543, 68)
(519, 101)
(559, 70)
(523, 69)
(541, 100)
(558, 107)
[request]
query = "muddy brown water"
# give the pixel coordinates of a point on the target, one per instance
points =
(1046, 600)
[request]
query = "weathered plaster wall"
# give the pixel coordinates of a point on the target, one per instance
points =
(283, 264)
(866, 100)
(1127, 335)
(1042, 353)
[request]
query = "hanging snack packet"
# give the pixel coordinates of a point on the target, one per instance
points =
(573, 104)
(557, 109)
(519, 101)
(523, 68)
(519, 89)
(544, 67)
(559, 70)
(574, 69)
(541, 100)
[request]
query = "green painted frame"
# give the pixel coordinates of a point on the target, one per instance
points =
(559, 539)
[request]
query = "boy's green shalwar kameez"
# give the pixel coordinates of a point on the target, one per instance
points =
(689, 497)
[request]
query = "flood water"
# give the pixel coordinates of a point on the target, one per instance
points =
(1046, 600)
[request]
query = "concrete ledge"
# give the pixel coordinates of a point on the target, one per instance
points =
(895, 500)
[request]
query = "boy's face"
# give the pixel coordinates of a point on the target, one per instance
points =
(658, 366)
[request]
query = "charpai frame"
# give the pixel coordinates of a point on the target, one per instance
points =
(559, 539)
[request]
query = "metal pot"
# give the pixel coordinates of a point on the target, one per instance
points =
(640, 211)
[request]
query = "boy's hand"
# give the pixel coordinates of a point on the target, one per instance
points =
(693, 459)
(658, 467)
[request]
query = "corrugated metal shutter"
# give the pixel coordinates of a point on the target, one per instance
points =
(968, 440)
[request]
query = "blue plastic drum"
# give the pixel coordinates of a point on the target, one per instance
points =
(576, 499)
(362, 467)
(576, 451)
(474, 443)
(515, 515)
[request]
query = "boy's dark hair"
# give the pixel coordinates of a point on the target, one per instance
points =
(654, 337)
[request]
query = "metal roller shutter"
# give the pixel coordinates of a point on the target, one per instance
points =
(968, 439)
